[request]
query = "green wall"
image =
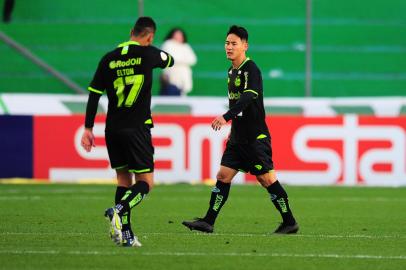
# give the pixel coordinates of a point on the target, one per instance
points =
(359, 47)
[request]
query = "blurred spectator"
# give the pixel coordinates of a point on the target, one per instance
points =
(7, 9)
(178, 80)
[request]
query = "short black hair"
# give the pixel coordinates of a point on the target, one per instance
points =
(172, 32)
(143, 26)
(239, 31)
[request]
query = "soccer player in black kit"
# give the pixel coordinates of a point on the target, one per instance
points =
(248, 148)
(125, 74)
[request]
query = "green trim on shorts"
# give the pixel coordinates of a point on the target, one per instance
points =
(140, 171)
(120, 167)
(241, 170)
(261, 136)
(258, 166)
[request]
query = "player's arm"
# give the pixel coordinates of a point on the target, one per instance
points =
(161, 58)
(250, 92)
(245, 99)
(96, 90)
(252, 88)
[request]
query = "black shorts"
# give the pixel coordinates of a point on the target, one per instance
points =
(255, 157)
(131, 148)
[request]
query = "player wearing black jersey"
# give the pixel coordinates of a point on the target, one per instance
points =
(249, 146)
(125, 74)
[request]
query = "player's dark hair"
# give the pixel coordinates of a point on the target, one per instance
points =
(143, 26)
(239, 31)
(172, 32)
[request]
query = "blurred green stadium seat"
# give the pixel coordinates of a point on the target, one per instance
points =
(359, 47)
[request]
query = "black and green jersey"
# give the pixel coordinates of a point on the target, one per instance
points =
(246, 103)
(125, 74)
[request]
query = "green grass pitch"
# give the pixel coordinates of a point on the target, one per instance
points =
(62, 227)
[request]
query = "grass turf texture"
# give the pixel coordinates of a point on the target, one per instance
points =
(62, 227)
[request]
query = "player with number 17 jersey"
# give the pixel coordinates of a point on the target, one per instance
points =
(125, 74)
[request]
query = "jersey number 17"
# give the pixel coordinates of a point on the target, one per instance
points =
(120, 84)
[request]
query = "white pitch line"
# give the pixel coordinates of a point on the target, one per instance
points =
(350, 236)
(227, 254)
(25, 198)
(340, 199)
(292, 235)
(19, 198)
(165, 198)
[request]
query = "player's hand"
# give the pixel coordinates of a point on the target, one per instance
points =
(218, 122)
(87, 141)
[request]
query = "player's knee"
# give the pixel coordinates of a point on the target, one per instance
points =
(264, 180)
(223, 177)
(147, 178)
(150, 185)
(124, 179)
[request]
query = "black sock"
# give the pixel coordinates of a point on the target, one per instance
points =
(126, 218)
(219, 195)
(120, 192)
(280, 200)
(132, 197)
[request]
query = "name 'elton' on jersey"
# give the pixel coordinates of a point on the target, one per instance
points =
(125, 74)
(250, 124)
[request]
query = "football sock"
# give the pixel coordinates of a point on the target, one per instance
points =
(132, 197)
(219, 195)
(126, 218)
(280, 200)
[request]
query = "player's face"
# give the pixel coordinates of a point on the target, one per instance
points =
(235, 47)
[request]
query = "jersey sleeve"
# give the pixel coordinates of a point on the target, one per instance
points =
(91, 109)
(161, 58)
(98, 84)
(253, 80)
(245, 99)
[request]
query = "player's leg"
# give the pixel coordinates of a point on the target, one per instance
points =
(218, 198)
(119, 163)
(261, 165)
(120, 223)
(139, 153)
(230, 163)
(219, 193)
(124, 182)
(134, 195)
(279, 198)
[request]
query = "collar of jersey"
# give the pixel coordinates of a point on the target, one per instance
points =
(245, 61)
(130, 42)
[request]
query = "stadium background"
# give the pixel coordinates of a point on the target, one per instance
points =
(359, 96)
(358, 48)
